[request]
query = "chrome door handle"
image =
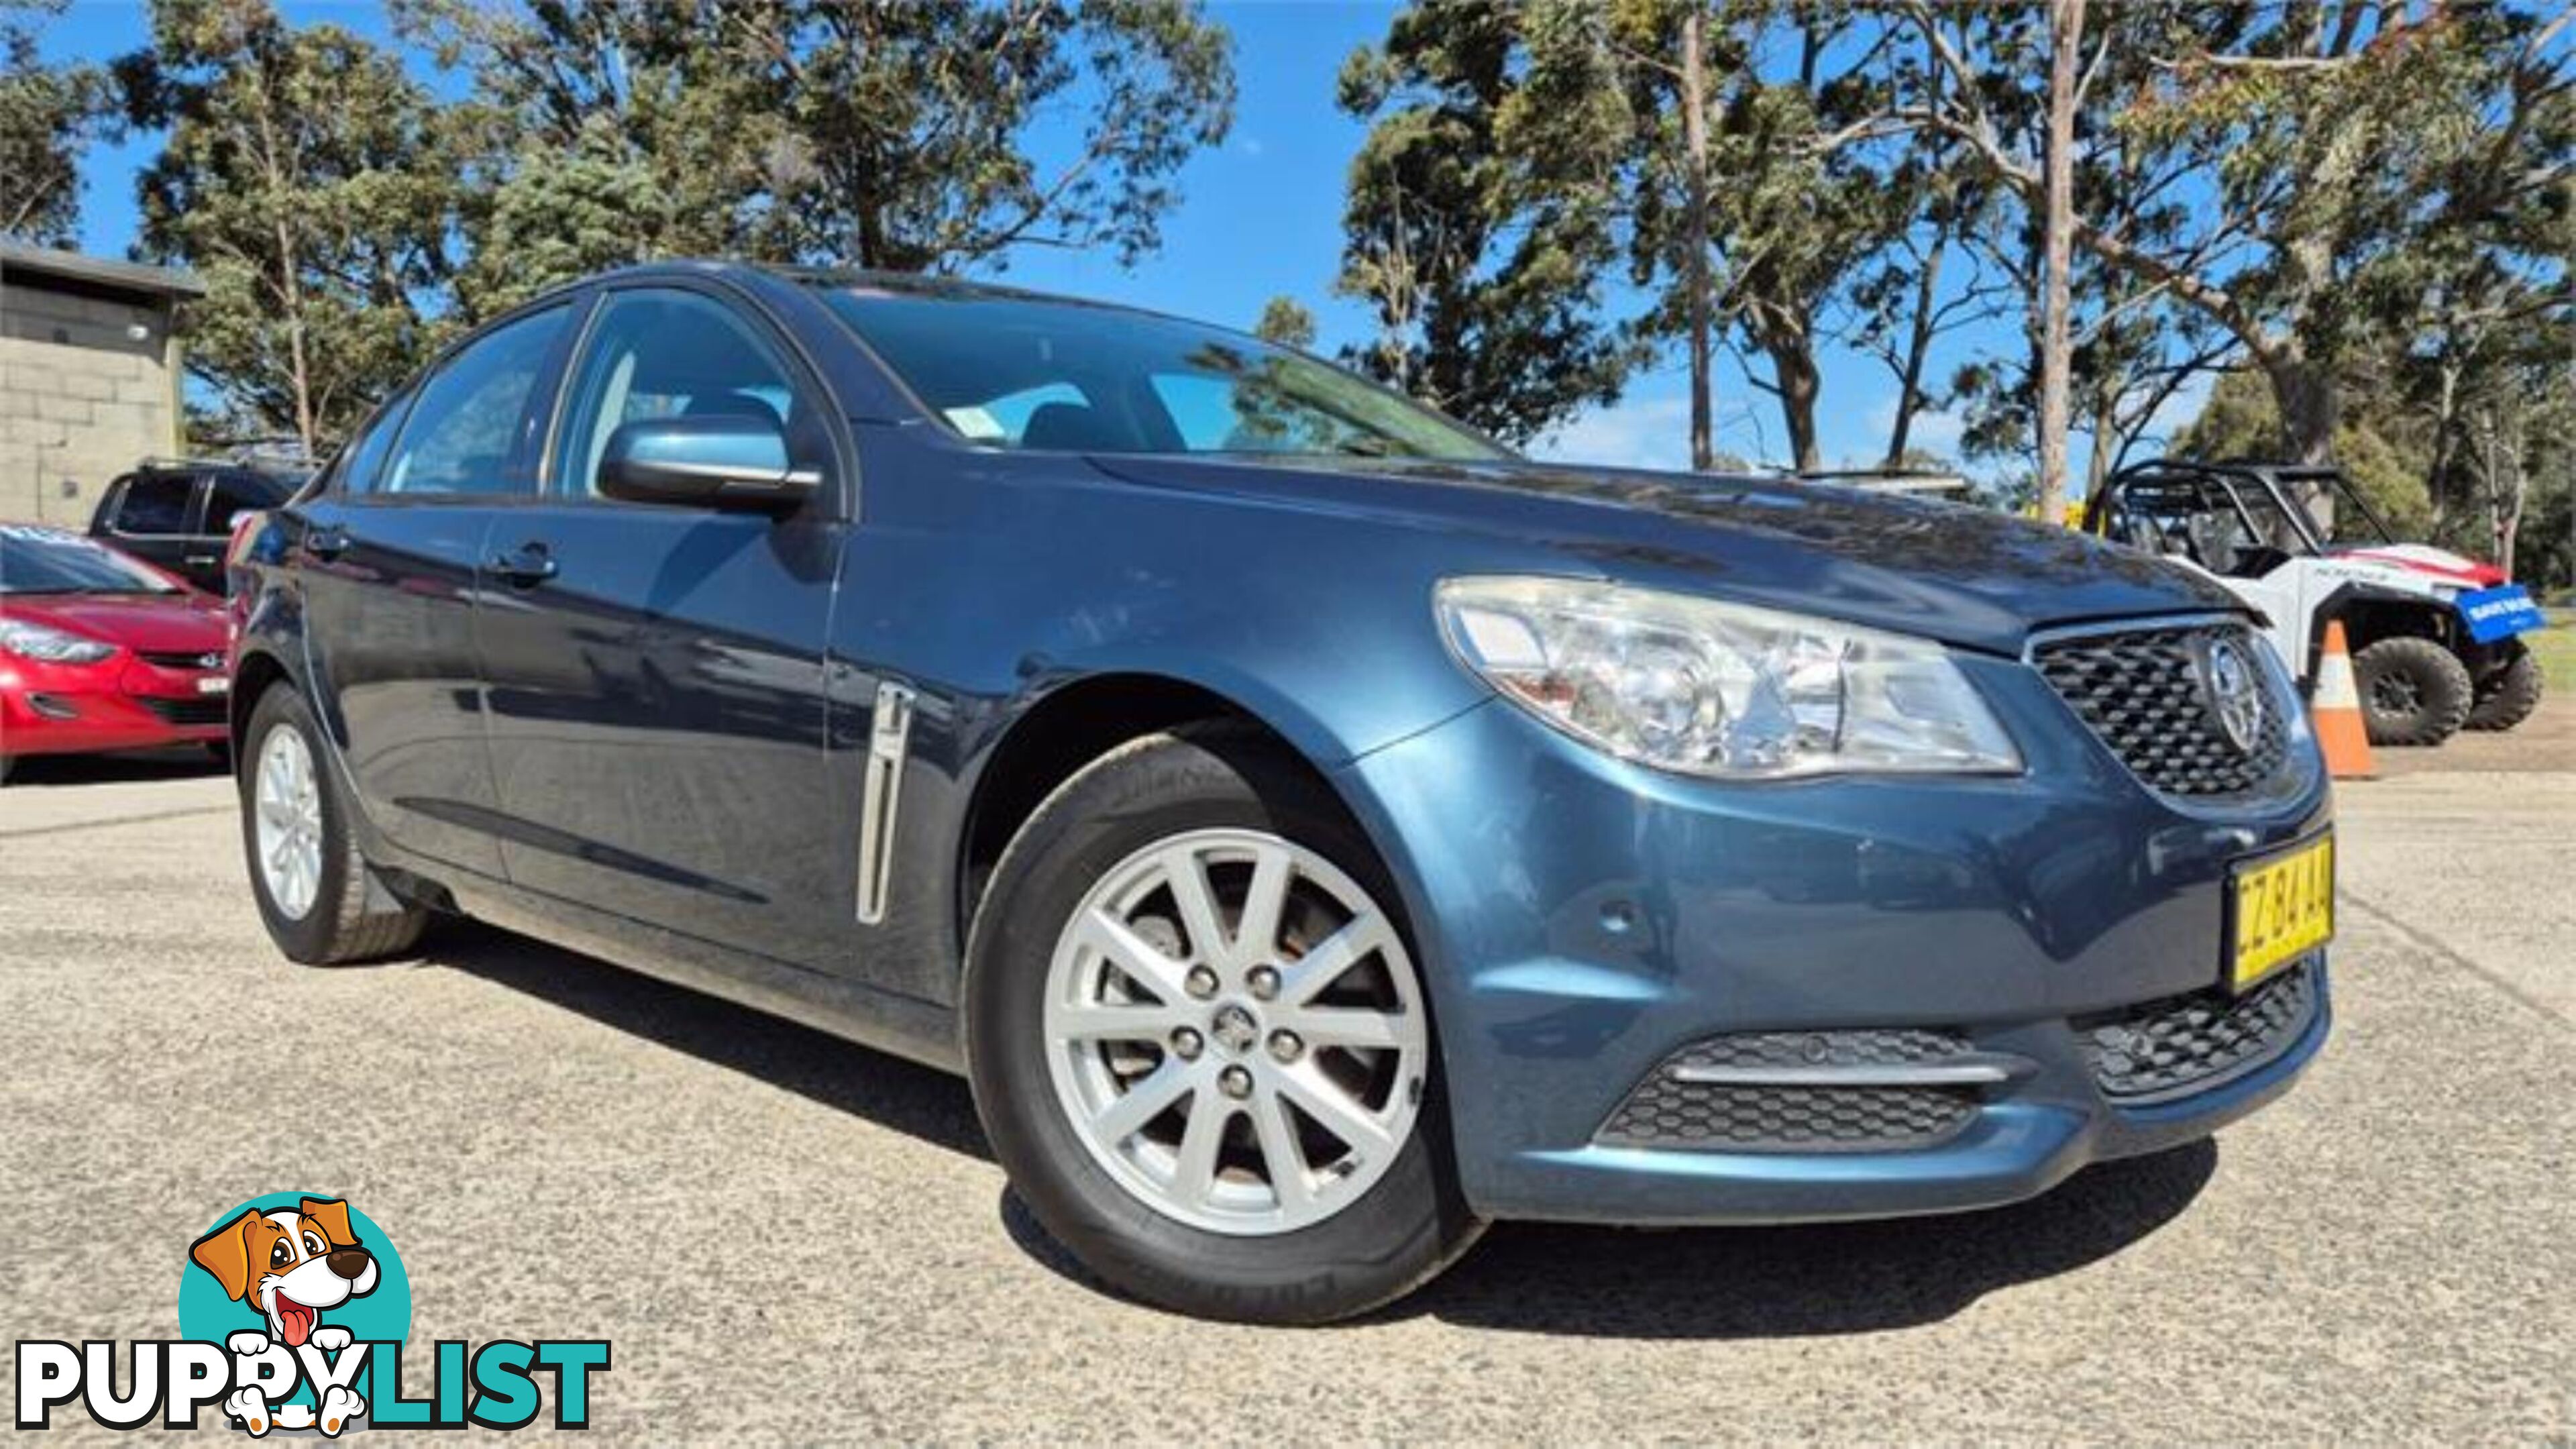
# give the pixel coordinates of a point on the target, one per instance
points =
(326, 544)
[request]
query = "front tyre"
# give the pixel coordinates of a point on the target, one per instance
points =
(313, 888)
(1199, 1043)
(2413, 691)
(2508, 694)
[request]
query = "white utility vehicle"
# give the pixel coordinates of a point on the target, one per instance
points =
(2434, 636)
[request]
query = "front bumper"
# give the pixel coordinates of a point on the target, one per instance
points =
(1582, 920)
(121, 704)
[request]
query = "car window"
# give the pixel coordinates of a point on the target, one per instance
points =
(462, 435)
(1130, 382)
(667, 353)
(38, 560)
(362, 460)
(234, 494)
(155, 503)
(1006, 419)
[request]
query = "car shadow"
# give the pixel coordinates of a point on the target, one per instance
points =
(887, 1090)
(1815, 1280)
(178, 762)
(1703, 1283)
(1773, 1282)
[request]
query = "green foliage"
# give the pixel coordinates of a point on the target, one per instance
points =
(1793, 212)
(886, 136)
(606, 133)
(911, 121)
(2358, 156)
(306, 178)
(1285, 321)
(46, 116)
(1487, 285)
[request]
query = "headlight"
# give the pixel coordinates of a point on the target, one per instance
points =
(50, 646)
(1724, 690)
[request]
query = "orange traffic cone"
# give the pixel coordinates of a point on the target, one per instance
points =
(2336, 707)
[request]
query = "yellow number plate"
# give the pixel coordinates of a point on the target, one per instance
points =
(2284, 909)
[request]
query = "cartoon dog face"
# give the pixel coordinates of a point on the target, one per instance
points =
(289, 1265)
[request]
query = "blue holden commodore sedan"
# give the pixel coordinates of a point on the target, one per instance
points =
(1312, 829)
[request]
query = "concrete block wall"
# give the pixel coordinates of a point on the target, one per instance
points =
(81, 398)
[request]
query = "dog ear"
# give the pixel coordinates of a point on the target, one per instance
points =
(333, 1215)
(225, 1252)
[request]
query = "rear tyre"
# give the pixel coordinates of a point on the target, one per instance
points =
(1199, 1044)
(2413, 691)
(321, 904)
(2508, 695)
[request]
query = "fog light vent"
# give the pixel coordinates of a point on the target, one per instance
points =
(1822, 1091)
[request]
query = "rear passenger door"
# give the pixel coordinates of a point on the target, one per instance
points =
(389, 560)
(656, 671)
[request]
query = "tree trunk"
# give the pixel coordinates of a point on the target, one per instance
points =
(2106, 440)
(1695, 268)
(1918, 348)
(2065, 54)
(2309, 407)
(2305, 396)
(1793, 364)
(299, 369)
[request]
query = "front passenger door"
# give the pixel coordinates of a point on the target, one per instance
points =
(655, 672)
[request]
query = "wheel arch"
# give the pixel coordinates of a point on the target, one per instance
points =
(1054, 737)
(258, 671)
(2370, 613)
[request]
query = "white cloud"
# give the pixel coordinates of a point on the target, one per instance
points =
(1650, 432)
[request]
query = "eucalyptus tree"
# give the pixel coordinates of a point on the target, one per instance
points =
(1466, 232)
(308, 180)
(47, 113)
(900, 137)
(2331, 142)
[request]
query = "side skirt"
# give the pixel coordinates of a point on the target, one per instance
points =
(903, 1026)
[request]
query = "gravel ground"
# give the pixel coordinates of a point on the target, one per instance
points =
(790, 1239)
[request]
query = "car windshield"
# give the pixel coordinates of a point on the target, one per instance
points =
(2344, 519)
(46, 561)
(1020, 372)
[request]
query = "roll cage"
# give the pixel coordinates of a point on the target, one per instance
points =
(2188, 507)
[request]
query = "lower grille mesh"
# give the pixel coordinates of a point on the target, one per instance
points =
(2185, 1044)
(1667, 1113)
(186, 712)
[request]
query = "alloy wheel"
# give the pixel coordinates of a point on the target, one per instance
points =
(289, 823)
(1235, 1031)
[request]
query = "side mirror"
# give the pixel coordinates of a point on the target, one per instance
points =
(723, 461)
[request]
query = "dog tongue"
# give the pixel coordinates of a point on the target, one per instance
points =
(297, 1320)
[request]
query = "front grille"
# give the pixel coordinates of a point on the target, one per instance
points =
(2185, 1044)
(2143, 694)
(186, 712)
(1665, 1112)
(194, 660)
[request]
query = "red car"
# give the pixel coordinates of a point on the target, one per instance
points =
(99, 651)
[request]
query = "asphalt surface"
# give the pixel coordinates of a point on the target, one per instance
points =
(791, 1239)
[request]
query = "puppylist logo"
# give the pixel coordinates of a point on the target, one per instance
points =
(293, 1311)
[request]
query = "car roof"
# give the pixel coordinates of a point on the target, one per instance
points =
(924, 286)
(213, 468)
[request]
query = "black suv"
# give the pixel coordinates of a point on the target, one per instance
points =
(177, 513)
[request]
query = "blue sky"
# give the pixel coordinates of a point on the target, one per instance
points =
(1260, 217)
